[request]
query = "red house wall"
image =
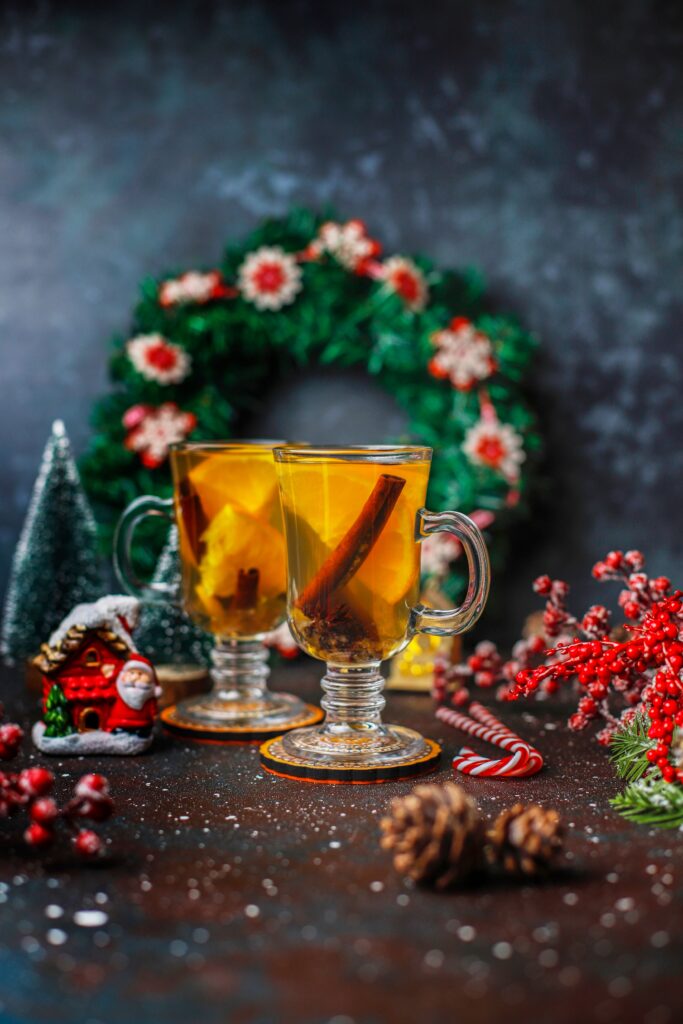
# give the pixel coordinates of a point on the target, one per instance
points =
(84, 685)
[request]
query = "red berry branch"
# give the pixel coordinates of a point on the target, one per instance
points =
(638, 664)
(29, 791)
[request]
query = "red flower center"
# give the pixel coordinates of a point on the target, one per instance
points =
(269, 277)
(406, 285)
(161, 356)
(491, 450)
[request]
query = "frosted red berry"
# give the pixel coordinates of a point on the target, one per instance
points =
(87, 843)
(38, 835)
(36, 781)
(44, 810)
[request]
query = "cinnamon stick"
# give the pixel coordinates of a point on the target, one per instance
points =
(194, 519)
(354, 547)
(247, 589)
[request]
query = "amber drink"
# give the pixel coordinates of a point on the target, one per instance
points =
(230, 537)
(354, 518)
(227, 510)
(355, 512)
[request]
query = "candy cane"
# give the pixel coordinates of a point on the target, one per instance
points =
(497, 734)
(483, 715)
(523, 762)
(522, 759)
(469, 763)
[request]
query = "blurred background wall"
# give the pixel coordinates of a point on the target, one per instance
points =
(541, 141)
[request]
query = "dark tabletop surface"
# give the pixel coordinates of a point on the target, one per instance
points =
(230, 895)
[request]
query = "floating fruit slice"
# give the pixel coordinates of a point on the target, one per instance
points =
(247, 481)
(329, 498)
(235, 540)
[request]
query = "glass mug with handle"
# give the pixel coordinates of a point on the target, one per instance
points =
(354, 518)
(232, 579)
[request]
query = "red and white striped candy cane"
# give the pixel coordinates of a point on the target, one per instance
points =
(522, 759)
(483, 715)
(469, 763)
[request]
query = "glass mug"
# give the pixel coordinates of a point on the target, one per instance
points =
(232, 583)
(354, 518)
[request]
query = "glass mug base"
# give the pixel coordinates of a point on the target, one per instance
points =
(240, 697)
(383, 746)
(353, 734)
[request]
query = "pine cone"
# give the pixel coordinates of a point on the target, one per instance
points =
(525, 840)
(435, 833)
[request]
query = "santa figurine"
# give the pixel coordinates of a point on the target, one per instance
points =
(135, 707)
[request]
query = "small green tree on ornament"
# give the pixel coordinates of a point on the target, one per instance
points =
(55, 564)
(57, 718)
(165, 633)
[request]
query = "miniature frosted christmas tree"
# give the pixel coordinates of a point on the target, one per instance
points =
(165, 633)
(55, 564)
(57, 719)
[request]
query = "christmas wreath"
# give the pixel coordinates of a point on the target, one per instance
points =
(306, 290)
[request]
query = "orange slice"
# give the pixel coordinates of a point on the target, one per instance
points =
(235, 540)
(247, 481)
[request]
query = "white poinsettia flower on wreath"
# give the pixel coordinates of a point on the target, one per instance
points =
(495, 445)
(269, 277)
(155, 358)
(191, 287)
(464, 355)
(405, 278)
(349, 243)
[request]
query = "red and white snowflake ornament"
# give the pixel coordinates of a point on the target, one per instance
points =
(152, 430)
(157, 359)
(405, 278)
(464, 355)
(270, 278)
(348, 243)
(194, 287)
(439, 551)
(495, 445)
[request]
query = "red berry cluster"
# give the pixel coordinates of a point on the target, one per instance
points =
(640, 662)
(30, 790)
(484, 668)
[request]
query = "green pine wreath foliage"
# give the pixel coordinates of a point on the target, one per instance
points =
(341, 317)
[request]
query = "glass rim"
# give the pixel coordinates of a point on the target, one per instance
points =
(381, 453)
(230, 444)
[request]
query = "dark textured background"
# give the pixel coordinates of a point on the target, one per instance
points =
(543, 142)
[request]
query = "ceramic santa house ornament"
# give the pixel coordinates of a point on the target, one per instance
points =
(99, 694)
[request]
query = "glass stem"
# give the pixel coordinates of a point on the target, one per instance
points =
(353, 697)
(239, 670)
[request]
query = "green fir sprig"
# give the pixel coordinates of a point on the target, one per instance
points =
(629, 747)
(651, 801)
(648, 799)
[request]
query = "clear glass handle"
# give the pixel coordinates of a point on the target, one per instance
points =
(147, 505)
(449, 621)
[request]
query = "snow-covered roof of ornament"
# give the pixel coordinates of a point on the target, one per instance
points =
(111, 618)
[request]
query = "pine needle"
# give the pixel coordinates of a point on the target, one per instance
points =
(629, 747)
(651, 801)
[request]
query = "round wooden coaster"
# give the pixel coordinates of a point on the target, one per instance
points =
(174, 721)
(275, 761)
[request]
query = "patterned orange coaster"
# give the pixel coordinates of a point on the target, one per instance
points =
(275, 761)
(175, 722)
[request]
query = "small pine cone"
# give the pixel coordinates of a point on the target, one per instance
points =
(436, 834)
(525, 840)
